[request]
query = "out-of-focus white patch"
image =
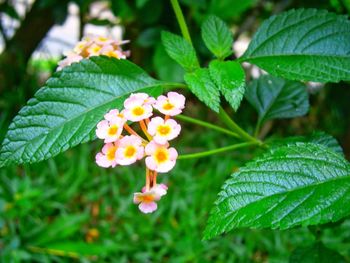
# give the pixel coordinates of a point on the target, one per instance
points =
(240, 45)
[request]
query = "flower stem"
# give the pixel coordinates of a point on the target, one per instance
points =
(132, 132)
(207, 125)
(181, 20)
(234, 126)
(148, 181)
(144, 129)
(215, 151)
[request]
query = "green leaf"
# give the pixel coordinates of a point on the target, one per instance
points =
(317, 137)
(217, 37)
(228, 9)
(276, 98)
(180, 50)
(64, 113)
(230, 79)
(62, 228)
(165, 67)
(200, 83)
(300, 184)
(77, 249)
(303, 44)
(316, 253)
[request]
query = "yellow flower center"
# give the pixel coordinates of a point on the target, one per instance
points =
(168, 106)
(163, 130)
(138, 111)
(148, 198)
(102, 39)
(111, 53)
(113, 130)
(161, 155)
(130, 151)
(111, 153)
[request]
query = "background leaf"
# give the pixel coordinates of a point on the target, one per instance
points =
(317, 137)
(66, 110)
(200, 83)
(316, 253)
(303, 44)
(217, 37)
(180, 50)
(300, 184)
(276, 98)
(229, 76)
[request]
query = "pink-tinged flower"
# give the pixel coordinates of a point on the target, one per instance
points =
(102, 41)
(147, 201)
(93, 50)
(171, 105)
(110, 131)
(163, 131)
(115, 115)
(130, 150)
(136, 109)
(109, 51)
(71, 58)
(161, 158)
(107, 157)
(159, 189)
(147, 100)
(82, 45)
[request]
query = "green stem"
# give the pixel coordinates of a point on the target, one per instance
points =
(181, 20)
(232, 125)
(257, 129)
(207, 125)
(215, 151)
(223, 115)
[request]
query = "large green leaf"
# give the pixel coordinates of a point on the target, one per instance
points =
(275, 98)
(180, 50)
(230, 79)
(303, 44)
(66, 110)
(200, 83)
(217, 37)
(298, 184)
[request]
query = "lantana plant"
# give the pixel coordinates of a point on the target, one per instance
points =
(98, 92)
(153, 144)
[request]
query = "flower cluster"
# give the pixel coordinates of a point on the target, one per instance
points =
(122, 149)
(94, 46)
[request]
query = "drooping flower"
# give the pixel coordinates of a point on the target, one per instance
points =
(129, 150)
(163, 130)
(159, 189)
(160, 158)
(136, 109)
(171, 105)
(107, 157)
(147, 201)
(111, 130)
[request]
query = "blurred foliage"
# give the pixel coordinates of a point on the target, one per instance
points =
(69, 210)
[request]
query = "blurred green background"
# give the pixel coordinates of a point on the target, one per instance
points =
(68, 209)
